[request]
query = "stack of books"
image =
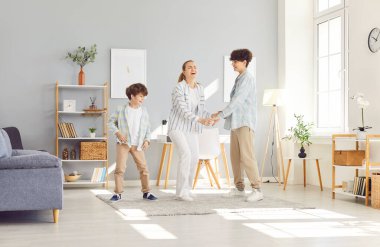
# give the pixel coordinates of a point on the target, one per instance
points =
(99, 175)
(359, 186)
(67, 130)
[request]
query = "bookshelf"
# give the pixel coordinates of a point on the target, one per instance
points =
(75, 130)
(367, 168)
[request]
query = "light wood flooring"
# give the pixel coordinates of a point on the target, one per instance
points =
(87, 221)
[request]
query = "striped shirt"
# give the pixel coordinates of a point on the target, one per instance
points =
(242, 109)
(184, 114)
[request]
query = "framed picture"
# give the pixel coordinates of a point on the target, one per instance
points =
(128, 66)
(230, 75)
(69, 105)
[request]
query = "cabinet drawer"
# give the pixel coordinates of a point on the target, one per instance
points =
(349, 157)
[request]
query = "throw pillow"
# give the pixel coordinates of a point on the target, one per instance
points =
(5, 145)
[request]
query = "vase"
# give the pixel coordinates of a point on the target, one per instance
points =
(302, 153)
(81, 77)
(92, 135)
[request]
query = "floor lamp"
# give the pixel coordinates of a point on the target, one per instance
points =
(274, 98)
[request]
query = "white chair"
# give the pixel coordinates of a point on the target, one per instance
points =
(209, 149)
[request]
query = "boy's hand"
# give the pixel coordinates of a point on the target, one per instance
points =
(145, 145)
(121, 138)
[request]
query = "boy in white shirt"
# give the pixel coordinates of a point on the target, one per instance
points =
(130, 124)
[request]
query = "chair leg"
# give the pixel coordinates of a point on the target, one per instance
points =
(213, 174)
(55, 215)
(208, 174)
(197, 173)
(224, 157)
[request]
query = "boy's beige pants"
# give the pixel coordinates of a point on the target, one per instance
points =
(243, 157)
(122, 151)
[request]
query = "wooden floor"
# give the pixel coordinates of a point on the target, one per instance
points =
(86, 221)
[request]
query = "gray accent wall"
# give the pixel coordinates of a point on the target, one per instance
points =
(35, 36)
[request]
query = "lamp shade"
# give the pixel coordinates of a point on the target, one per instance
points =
(273, 97)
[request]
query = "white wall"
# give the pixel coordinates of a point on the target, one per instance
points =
(364, 66)
(295, 68)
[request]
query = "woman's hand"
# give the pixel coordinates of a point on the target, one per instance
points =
(145, 145)
(121, 138)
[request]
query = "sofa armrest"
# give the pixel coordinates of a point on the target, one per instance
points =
(31, 161)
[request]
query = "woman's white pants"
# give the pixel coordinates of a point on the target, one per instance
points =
(186, 146)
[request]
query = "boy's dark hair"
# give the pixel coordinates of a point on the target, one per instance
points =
(135, 89)
(241, 55)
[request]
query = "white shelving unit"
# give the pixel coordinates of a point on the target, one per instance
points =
(77, 115)
(368, 167)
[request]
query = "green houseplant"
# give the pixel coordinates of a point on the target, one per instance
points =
(82, 57)
(300, 133)
(92, 132)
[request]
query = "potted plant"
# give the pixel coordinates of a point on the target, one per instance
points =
(362, 104)
(300, 133)
(92, 132)
(82, 57)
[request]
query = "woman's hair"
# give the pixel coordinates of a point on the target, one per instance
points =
(182, 76)
(241, 55)
(135, 89)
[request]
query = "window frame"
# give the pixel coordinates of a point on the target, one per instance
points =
(318, 14)
(329, 14)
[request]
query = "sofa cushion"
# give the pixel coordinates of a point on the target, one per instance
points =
(18, 152)
(31, 161)
(5, 145)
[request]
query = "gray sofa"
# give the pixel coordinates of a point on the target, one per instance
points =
(29, 180)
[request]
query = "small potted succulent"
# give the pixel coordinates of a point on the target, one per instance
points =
(301, 133)
(92, 132)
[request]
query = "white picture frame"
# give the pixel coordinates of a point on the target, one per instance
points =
(69, 105)
(128, 66)
(230, 76)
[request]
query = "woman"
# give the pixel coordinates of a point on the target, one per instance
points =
(186, 118)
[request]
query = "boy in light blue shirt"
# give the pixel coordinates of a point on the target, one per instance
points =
(130, 125)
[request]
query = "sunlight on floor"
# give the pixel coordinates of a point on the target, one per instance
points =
(278, 214)
(132, 214)
(317, 229)
(153, 231)
(101, 192)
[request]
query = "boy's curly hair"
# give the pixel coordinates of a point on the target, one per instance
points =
(135, 89)
(241, 55)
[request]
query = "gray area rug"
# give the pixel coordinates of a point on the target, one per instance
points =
(207, 201)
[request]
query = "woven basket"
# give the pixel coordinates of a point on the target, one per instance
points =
(375, 190)
(93, 150)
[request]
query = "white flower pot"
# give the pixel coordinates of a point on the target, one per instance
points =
(92, 135)
(362, 135)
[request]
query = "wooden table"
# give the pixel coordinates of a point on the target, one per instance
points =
(304, 170)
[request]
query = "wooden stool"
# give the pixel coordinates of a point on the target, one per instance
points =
(304, 171)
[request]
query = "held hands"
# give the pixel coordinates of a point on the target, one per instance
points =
(206, 121)
(145, 145)
(215, 116)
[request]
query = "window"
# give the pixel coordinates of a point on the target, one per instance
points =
(329, 65)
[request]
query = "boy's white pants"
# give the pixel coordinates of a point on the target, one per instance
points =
(186, 146)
